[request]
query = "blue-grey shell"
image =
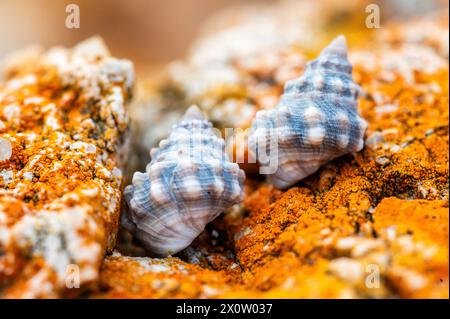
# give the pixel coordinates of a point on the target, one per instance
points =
(187, 184)
(315, 121)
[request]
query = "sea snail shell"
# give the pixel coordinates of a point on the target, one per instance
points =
(187, 184)
(315, 121)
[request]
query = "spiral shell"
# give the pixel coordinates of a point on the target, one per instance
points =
(187, 184)
(315, 121)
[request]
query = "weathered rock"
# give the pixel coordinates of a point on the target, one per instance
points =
(63, 117)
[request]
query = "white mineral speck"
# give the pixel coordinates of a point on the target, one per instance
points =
(28, 176)
(158, 268)
(385, 109)
(90, 148)
(395, 148)
(382, 160)
(233, 266)
(346, 269)
(117, 173)
(5, 149)
(210, 291)
(86, 147)
(346, 243)
(34, 100)
(365, 246)
(11, 111)
(20, 82)
(8, 176)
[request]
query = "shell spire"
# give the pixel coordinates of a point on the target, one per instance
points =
(193, 113)
(315, 121)
(187, 184)
(338, 47)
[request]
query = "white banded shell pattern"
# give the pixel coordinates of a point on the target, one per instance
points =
(315, 121)
(187, 184)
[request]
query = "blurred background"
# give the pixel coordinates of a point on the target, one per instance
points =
(149, 32)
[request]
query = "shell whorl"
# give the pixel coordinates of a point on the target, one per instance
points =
(187, 184)
(315, 121)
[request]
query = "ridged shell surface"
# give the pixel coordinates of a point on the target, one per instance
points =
(315, 121)
(187, 184)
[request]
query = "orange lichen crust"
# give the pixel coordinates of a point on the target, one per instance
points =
(371, 224)
(313, 257)
(62, 127)
(136, 277)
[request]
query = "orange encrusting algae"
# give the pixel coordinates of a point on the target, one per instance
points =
(63, 116)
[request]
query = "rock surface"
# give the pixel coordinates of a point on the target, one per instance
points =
(369, 224)
(62, 132)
